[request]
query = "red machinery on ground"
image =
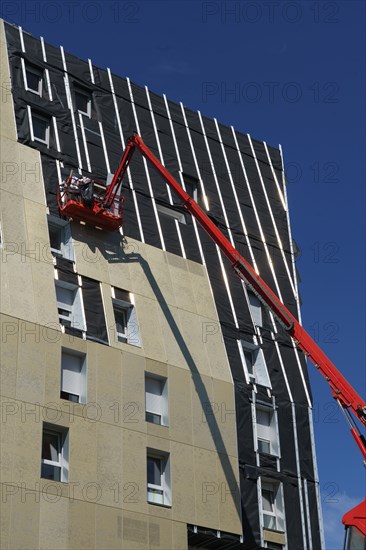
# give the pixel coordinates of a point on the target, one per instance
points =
(106, 212)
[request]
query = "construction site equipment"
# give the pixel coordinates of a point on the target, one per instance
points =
(106, 212)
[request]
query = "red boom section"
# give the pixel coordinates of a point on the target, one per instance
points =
(347, 397)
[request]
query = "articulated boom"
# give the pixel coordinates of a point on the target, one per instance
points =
(106, 213)
(342, 391)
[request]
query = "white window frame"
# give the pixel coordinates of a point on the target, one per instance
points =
(87, 94)
(164, 489)
(76, 309)
(268, 434)
(81, 359)
(255, 307)
(31, 116)
(63, 227)
(62, 451)
(131, 335)
(276, 489)
(258, 366)
(36, 71)
(171, 213)
(161, 409)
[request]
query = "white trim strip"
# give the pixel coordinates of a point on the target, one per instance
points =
(296, 351)
(224, 275)
(142, 238)
(46, 70)
(104, 147)
(308, 522)
(84, 142)
(257, 216)
(271, 215)
(29, 111)
(21, 38)
(91, 71)
(202, 185)
(236, 197)
(54, 122)
(146, 169)
(290, 238)
(316, 477)
(182, 180)
(294, 427)
(285, 207)
(69, 102)
(162, 162)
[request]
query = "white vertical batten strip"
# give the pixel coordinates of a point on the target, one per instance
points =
(84, 142)
(162, 162)
(308, 522)
(105, 151)
(290, 237)
(294, 426)
(21, 39)
(226, 281)
(316, 477)
(181, 177)
(46, 70)
(54, 122)
(218, 189)
(123, 143)
(146, 169)
(29, 111)
(69, 102)
(256, 215)
(292, 282)
(235, 197)
(202, 185)
(271, 213)
(282, 199)
(296, 352)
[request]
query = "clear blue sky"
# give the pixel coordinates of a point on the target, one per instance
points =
(297, 70)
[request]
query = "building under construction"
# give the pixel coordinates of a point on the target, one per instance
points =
(149, 400)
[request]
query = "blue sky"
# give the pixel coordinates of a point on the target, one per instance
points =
(287, 72)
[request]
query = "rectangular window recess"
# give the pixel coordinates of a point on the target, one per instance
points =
(158, 478)
(126, 324)
(41, 128)
(34, 79)
(55, 453)
(73, 376)
(83, 101)
(156, 399)
(171, 212)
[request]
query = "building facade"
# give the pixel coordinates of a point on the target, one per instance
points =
(148, 398)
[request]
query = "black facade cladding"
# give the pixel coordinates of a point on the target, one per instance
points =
(212, 154)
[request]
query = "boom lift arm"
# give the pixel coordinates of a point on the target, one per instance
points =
(342, 391)
(102, 215)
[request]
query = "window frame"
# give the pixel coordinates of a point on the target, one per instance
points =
(277, 512)
(257, 371)
(82, 374)
(38, 71)
(163, 400)
(272, 437)
(131, 335)
(76, 309)
(255, 308)
(36, 115)
(62, 463)
(165, 486)
(63, 227)
(78, 90)
(171, 212)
